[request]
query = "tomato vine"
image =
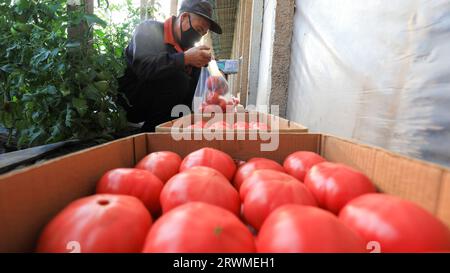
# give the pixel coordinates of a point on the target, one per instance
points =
(53, 88)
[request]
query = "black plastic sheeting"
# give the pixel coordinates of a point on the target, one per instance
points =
(23, 158)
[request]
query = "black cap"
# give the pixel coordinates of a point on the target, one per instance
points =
(202, 8)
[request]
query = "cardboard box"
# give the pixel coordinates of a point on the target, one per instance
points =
(285, 126)
(29, 198)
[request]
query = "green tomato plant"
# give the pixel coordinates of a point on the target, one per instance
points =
(52, 87)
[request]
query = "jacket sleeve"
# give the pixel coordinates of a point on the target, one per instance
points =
(147, 55)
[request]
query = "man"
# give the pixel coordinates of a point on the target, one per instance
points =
(163, 64)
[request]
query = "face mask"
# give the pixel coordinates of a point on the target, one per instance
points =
(189, 37)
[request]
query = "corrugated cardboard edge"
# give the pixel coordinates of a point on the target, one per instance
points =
(396, 174)
(59, 183)
(443, 210)
(140, 147)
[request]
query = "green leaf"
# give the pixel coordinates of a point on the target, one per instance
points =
(80, 105)
(36, 117)
(102, 86)
(7, 120)
(102, 76)
(64, 91)
(47, 66)
(69, 116)
(102, 120)
(73, 45)
(25, 28)
(55, 52)
(36, 135)
(92, 93)
(23, 140)
(8, 68)
(51, 90)
(94, 19)
(42, 56)
(56, 131)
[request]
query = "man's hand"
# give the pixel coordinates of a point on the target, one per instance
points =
(198, 56)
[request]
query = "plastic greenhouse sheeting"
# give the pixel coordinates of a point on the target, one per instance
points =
(377, 71)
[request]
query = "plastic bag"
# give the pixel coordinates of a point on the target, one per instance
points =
(212, 93)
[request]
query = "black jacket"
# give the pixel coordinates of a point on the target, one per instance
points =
(151, 64)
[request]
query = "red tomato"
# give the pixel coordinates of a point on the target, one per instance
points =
(298, 164)
(211, 108)
(162, 164)
(223, 104)
(213, 82)
(241, 125)
(217, 84)
(212, 97)
(221, 90)
(334, 185)
(200, 184)
(256, 176)
(253, 159)
(209, 157)
(303, 229)
(396, 224)
(220, 126)
(98, 223)
(199, 228)
(141, 184)
(266, 190)
(254, 164)
(254, 125)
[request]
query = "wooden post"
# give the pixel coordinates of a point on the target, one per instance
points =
(152, 15)
(245, 50)
(257, 15)
(173, 7)
(77, 33)
(239, 46)
(144, 5)
(89, 6)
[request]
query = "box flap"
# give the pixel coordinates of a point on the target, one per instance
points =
(140, 147)
(443, 210)
(29, 198)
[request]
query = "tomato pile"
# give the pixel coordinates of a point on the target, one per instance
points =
(206, 202)
(223, 125)
(215, 100)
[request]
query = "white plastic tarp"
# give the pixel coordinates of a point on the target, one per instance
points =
(377, 71)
